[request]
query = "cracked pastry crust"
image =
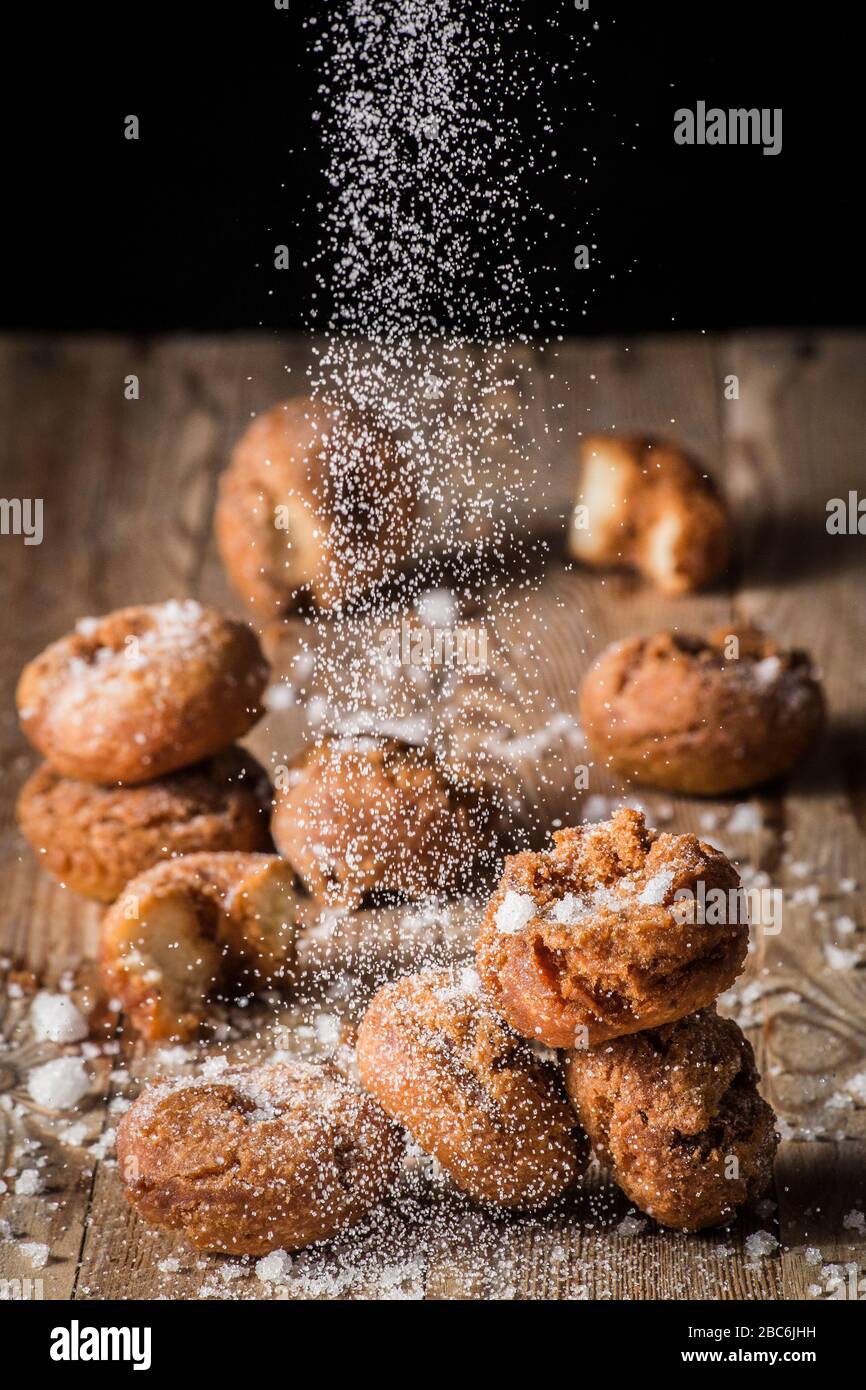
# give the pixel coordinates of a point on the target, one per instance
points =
(673, 711)
(256, 1159)
(363, 817)
(95, 839)
(142, 692)
(582, 942)
(478, 1098)
(194, 928)
(676, 1113)
(288, 523)
(649, 507)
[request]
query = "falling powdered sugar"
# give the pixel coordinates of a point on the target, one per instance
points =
(421, 329)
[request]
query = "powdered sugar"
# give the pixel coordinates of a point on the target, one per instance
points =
(841, 958)
(59, 1085)
(514, 913)
(417, 319)
(746, 819)
(28, 1183)
(274, 1268)
(35, 1252)
(767, 671)
(569, 910)
(761, 1243)
(631, 1225)
(657, 889)
(55, 1018)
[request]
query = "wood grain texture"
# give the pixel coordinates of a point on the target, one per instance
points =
(128, 491)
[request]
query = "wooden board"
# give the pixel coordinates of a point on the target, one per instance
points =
(128, 489)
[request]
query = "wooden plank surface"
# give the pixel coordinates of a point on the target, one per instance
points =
(128, 489)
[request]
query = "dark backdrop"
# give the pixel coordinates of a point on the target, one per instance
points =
(177, 230)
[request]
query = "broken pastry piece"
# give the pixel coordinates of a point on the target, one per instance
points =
(362, 818)
(245, 1160)
(314, 503)
(190, 929)
(437, 1057)
(591, 939)
(646, 505)
(676, 1113)
(699, 715)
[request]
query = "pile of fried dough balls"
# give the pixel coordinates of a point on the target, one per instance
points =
(588, 1017)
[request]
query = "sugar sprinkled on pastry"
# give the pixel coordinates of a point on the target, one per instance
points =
(587, 940)
(365, 817)
(701, 715)
(676, 1113)
(248, 1160)
(142, 691)
(439, 1059)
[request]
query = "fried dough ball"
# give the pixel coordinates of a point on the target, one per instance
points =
(364, 817)
(194, 927)
(142, 692)
(95, 839)
(651, 508)
(439, 1059)
(252, 1159)
(585, 941)
(676, 1113)
(675, 712)
(313, 502)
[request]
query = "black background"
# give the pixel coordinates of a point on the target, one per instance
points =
(177, 230)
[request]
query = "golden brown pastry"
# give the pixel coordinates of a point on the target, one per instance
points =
(95, 839)
(252, 1159)
(362, 817)
(142, 692)
(438, 1059)
(193, 928)
(677, 1115)
(646, 505)
(676, 712)
(314, 502)
(586, 941)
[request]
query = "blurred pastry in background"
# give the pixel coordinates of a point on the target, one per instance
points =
(703, 716)
(315, 505)
(645, 505)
